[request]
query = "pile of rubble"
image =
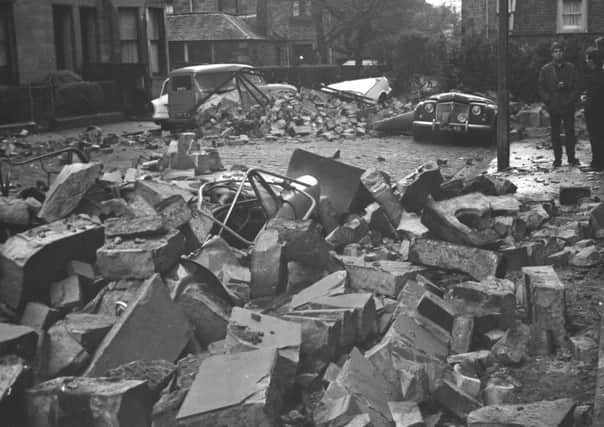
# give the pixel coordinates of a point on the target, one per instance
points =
(387, 306)
(306, 113)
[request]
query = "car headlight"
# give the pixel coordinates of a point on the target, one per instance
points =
(462, 117)
(429, 108)
(476, 110)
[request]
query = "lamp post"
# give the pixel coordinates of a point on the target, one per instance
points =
(503, 104)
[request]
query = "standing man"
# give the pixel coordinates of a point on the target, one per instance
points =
(593, 101)
(559, 89)
(600, 46)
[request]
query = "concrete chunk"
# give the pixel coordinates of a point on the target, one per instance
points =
(33, 259)
(347, 318)
(15, 377)
(418, 185)
(373, 180)
(330, 285)
(89, 329)
(571, 193)
(66, 356)
(152, 327)
(352, 231)
(555, 413)
(455, 399)
(39, 316)
(207, 313)
(382, 277)
(68, 189)
(134, 226)
(140, 259)
(89, 401)
(245, 391)
(302, 240)
(66, 294)
(337, 407)
(406, 414)
(546, 308)
(18, 340)
(411, 226)
(156, 373)
(478, 263)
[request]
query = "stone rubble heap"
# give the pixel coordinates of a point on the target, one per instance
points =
(125, 307)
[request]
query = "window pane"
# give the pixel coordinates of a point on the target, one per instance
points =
(571, 6)
(130, 52)
(154, 24)
(296, 8)
(154, 57)
(128, 24)
(211, 81)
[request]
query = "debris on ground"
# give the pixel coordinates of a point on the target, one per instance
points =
(191, 294)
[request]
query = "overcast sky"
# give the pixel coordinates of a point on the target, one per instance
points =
(441, 2)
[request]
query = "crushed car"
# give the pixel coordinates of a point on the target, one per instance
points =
(454, 113)
(373, 90)
(188, 88)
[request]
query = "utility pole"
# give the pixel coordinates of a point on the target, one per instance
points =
(503, 104)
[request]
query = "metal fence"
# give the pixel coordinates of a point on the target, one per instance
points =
(42, 103)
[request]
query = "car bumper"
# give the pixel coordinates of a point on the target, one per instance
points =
(451, 127)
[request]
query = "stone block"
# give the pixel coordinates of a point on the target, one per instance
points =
(423, 343)
(140, 259)
(372, 392)
(18, 340)
(31, 260)
(69, 401)
(332, 284)
(89, 329)
(418, 185)
(570, 194)
(478, 263)
(466, 381)
(584, 349)
(303, 241)
(208, 314)
(248, 330)
(347, 319)
(39, 316)
(68, 189)
(174, 212)
(352, 231)
(514, 257)
(443, 219)
(494, 297)
(66, 356)
(382, 277)
(436, 310)
(462, 334)
(320, 340)
(376, 217)
(152, 327)
(554, 413)
(585, 257)
(268, 265)
(144, 225)
(337, 407)
(596, 221)
(156, 373)
(84, 270)
(455, 400)
(406, 414)
(300, 276)
(534, 218)
(480, 360)
(411, 226)
(362, 303)
(470, 180)
(245, 390)
(546, 308)
(373, 180)
(66, 294)
(15, 377)
(157, 193)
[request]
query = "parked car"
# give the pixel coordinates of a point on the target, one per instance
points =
(374, 89)
(186, 89)
(455, 113)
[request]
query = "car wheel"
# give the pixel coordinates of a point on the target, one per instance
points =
(420, 134)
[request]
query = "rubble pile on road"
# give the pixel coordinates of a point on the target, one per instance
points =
(133, 305)
(306, 113)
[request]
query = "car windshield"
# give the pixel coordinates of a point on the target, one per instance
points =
(211, 81)
(181, 83)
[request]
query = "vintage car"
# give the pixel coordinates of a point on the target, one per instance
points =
(186, 89)
(455, 113)
(372, 90)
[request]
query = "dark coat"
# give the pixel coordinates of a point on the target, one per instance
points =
(594, 89)
(559, 87)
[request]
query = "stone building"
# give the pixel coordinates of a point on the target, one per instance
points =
(535, 21)
(40, 36)
(259, 32)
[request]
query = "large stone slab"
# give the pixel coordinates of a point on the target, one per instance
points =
(478, 263)
(546, 308)
(382, 277)
(443, 219)
(143, 225)
(303, 241)
(268, 265)
(152, 327)
(374, 182)
(245, 391)
(554, 413)
(68, 189)
(18, 340)
(82, 401)
(406, 414)
(31, 260)
(418, 185)
(346, 317)
(140, 259)
(333, 284)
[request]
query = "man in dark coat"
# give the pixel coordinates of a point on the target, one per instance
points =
(559, 88)
(593, 101)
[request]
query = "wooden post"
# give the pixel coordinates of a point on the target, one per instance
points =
(503, 134)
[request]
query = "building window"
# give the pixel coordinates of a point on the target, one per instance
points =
(6, 43)
(156, 38)
(129, 35)
(62, 17)
(228, 6)
(88, 26)
(301, 8)
(572, 16)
